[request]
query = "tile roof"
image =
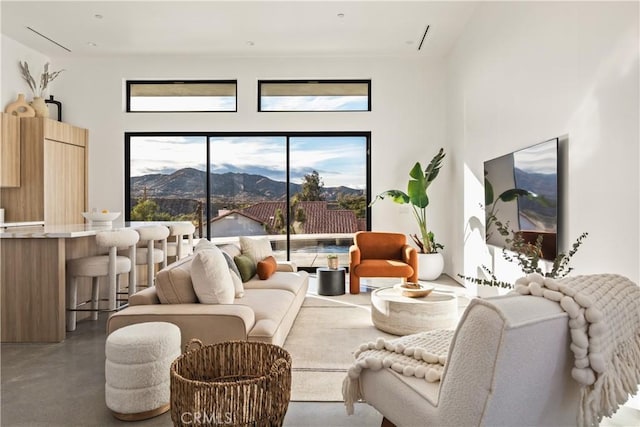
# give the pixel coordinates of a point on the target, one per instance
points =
(319, 219)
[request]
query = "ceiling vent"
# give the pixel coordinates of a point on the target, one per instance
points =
(48, 39)
(426, 30)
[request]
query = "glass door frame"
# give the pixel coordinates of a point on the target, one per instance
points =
(215, 134)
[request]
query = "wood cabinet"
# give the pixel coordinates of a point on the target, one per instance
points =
(32, 286)
(53, 174)
(9, 150)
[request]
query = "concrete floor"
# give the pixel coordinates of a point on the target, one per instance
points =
(62, 384)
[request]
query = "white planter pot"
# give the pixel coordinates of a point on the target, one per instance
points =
(430, 266)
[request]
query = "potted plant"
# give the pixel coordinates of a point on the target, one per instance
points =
(431, 262)
(528, 257)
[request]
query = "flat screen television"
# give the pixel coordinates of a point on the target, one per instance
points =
(531, 172)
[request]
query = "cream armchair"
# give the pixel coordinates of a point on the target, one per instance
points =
(509, 364)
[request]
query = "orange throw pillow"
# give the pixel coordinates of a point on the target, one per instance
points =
(266, 267)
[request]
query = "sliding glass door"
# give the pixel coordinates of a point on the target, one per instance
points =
(248, 185)
(306, 192)
(166, 179)
(328, 203)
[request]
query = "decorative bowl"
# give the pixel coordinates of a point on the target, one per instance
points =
(100, 218)
(414, 290)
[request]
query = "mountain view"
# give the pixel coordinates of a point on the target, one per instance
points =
(190, 183)
(180, 192)
(541, 216)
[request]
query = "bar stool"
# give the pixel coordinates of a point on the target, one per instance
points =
(110, 265)
(148, 254)
(181, 247)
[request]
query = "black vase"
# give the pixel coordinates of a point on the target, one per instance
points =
(57, 103)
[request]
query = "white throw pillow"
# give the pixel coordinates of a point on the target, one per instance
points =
(256, 248)
(205, 244)
(211, 278)
(237, 284)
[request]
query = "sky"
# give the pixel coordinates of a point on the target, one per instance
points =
(314, 103)
(269, 103)
(338, 160)
(539, 158)
(183, 103)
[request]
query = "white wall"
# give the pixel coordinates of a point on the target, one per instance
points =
(407, 121)
(525, 72)
(12, 82)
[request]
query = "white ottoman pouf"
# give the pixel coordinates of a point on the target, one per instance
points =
(137, 369)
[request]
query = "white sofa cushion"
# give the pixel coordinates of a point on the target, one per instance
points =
(237, 282)
(174, 284)
(211, 278)
(256, 248)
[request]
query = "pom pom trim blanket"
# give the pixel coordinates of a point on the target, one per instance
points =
(421, 355)
(604, 313)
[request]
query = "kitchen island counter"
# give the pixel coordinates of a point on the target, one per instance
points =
(66, 231)
(33, 278)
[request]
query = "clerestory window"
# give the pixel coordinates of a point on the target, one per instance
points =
(314, 95)
(181, 96)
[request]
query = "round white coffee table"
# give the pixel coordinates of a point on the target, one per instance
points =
(393, 313)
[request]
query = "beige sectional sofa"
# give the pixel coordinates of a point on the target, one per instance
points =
(265, 312)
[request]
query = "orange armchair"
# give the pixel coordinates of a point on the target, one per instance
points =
(379, 254)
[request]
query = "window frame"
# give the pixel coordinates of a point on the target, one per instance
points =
(315, 81)
(212, 134)
(129, 83)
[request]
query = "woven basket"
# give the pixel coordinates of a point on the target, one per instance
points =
(233, 383)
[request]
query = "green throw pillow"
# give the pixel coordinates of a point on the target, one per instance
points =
(246, 267)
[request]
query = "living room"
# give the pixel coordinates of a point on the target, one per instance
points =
(490, 78)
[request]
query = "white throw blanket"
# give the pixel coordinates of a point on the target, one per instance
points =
(421, 355)
(604, 312)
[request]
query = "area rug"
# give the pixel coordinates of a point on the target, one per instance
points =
(322, 341)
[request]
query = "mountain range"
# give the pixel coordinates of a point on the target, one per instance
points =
(191, 183)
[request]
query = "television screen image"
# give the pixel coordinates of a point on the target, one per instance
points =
(532, 175)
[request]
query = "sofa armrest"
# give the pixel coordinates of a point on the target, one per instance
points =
(286, 266)
(210, 323)
(145, 297)
(354, 255)
(410, 255)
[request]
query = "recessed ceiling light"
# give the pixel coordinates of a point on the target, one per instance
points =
(250, 43)
(92, 44)
(97, 16)
(340, 15)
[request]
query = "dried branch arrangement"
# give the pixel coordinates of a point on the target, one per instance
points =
(45, 78)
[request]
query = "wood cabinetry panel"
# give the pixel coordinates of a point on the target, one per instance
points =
(33, 290)
(9, 151)
(53, 174)
(64, 172)
(26, 203)
(64, 132)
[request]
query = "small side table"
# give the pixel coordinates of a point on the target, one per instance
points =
(331, 281)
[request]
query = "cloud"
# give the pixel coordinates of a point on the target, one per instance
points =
(183, 103)
(540, 158)
(166, 154)
(338, 160)
(314, 103)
